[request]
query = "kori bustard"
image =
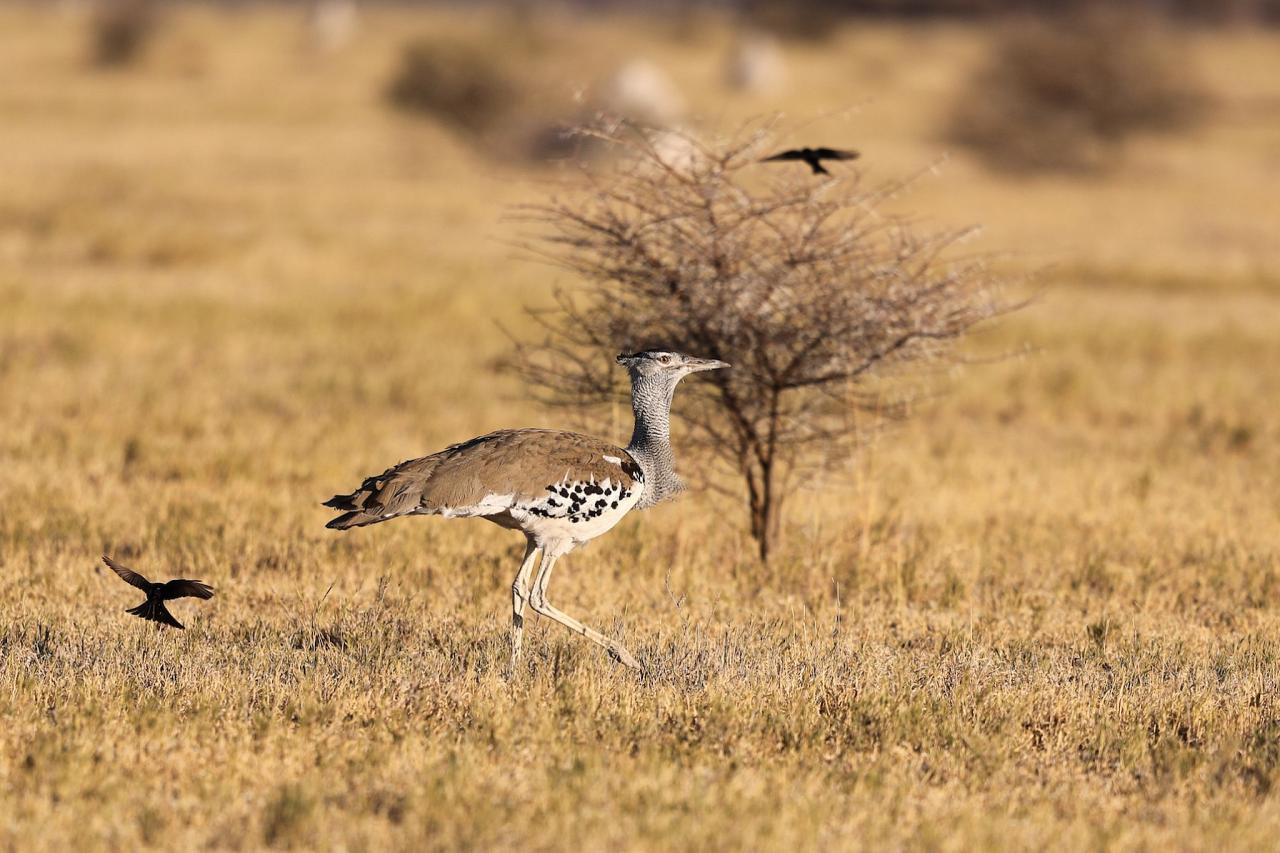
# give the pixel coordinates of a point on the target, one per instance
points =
(560, 489)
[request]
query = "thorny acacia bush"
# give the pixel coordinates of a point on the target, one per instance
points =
(807, 287)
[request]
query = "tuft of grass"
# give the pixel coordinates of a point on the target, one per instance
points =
(286, 816)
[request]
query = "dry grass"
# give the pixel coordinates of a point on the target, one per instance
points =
(1045, 615)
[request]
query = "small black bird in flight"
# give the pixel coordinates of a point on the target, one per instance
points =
(158, 593)
(813, 156)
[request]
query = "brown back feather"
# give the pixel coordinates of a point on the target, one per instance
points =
(519, 462)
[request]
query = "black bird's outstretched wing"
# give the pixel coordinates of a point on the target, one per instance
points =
(153, 610)
(835, 154)
(793, 154)
(127, 574)
(183, 588)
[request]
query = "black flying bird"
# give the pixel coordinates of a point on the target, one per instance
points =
(813, 157)
(158, 593)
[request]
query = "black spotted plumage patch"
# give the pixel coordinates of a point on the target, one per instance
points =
(578, 502)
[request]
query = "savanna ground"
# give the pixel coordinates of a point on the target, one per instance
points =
(1044, 613)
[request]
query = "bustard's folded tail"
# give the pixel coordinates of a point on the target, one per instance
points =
(355, 515)
(381, 498)
(342, 501)
(354, 519)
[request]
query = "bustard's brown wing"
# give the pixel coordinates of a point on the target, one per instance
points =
(127, 574)
(485, 476)
(184, 588)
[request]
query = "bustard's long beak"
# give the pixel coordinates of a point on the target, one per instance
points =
(698, 364)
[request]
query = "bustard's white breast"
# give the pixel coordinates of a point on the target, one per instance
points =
(576, 511)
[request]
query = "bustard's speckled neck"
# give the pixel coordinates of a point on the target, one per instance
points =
(651, 439)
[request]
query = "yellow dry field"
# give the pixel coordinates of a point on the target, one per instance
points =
(1045, 613)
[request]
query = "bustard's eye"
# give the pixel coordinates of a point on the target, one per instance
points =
(664, 359)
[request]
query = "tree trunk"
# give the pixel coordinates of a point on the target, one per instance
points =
(766, 509)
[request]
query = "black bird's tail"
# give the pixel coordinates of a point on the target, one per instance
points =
(154, 610)
(818, 168)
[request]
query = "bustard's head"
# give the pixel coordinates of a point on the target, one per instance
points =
(663, 364)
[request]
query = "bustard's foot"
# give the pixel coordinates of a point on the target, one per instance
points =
(517, 639)
(621, 655)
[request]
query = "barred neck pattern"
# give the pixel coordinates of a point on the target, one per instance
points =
(651, 439)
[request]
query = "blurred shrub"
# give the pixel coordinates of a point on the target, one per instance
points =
(805, 18)
(1065, 92)
(120, 31)
(455, 82)
(801, 20)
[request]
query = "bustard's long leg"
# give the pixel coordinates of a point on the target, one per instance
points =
(520, 595)
(538, 600)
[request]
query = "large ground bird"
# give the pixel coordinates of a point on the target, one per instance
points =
(560, 489)
(153, 608)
